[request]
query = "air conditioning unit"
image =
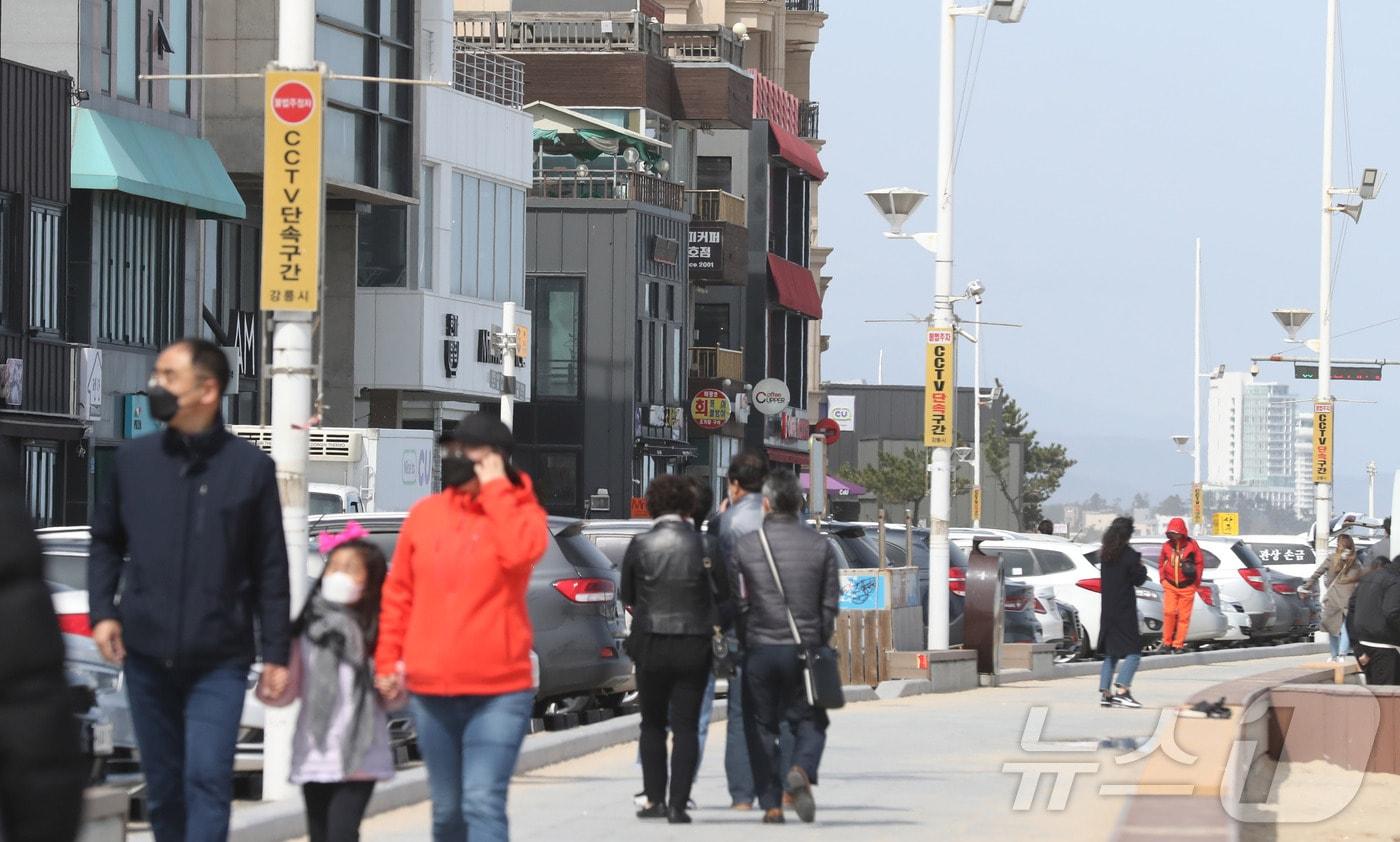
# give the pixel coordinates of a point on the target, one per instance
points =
(333, 444)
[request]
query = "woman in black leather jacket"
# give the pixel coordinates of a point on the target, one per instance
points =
(668, 588)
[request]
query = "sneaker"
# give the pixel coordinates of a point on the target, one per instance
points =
(742, 806)
(652, 811)
(801, 789)
(678, 816)
(1105, 700)
(774, 816)
(1124, 699)
(640, 800)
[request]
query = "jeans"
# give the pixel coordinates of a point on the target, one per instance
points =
(1340, 644)
(1125, 675)
(471, 744)
(671, 680)
(334, 811)
(707, 708)
(186, 722)
(774, 693)
(737, 770)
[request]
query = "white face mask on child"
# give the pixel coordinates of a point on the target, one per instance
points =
(341, 588)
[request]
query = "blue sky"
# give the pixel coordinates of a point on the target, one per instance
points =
(1101, 139)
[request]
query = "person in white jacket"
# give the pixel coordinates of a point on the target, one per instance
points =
(341, 745)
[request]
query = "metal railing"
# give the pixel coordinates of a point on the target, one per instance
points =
(804, 5)
(808, 119)
(703, 43)
(559, 32)
(49, 383)
(717, 206)
(717, 364)
(624, 184)
(484, 74)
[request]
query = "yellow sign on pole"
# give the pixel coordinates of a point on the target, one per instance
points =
(522, 342)
(292, 188)
(1226, 523)
(1198, 504)
(938, 388)
(1322, 441)
(976, 502)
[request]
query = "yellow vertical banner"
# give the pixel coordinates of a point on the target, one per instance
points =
(1322, 441)
(938, 388)
(292, 190)
(1198, 504)
(976, 502)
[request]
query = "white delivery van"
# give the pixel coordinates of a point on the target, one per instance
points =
(376, 469)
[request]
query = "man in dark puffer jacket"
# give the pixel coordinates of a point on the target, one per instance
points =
(41, 765)
(1373, 622)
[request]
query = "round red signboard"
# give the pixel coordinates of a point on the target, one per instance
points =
(828, 429)
(710, 409)
(293, 102)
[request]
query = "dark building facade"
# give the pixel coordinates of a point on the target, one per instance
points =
(42, 413)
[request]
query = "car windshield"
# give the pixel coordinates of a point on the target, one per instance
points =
(957, 556)
(1246, 556)
(325, 504)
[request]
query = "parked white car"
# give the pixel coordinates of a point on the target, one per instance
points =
(1232, 565)
(1291, 554)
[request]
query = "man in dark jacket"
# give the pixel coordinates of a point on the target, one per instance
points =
(42, 771)
(188, 554)
(1373, 622)
(773, 686)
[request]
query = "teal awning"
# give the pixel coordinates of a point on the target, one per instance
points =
(113, 153)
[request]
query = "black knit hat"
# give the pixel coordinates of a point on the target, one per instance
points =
(481, 430)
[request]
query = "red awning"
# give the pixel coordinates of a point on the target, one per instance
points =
(795, 151)
(789, 457)
(795, 286)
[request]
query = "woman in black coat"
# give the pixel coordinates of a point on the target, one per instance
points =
(1122, 571)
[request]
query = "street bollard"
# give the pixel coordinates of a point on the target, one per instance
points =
(982, 610)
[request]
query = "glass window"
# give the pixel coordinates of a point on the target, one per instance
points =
(427, 223)
(344, 52)
(557, 324)
(613, 546)
(485, 241)
(464, 280)
(396, 100)
(395, 156)
(128, 47)
(558, 479)
(139, 253)
(178, 30)
(654, 300)
(45, 267)
(1016, 562)
(349, 145)
(41, 481)
(7, 250)
(354, 12)
(676, 374)
(1051, 561)
(671, 302)
(517, 245)
(501, 275)
(104, 64)
(383, 251)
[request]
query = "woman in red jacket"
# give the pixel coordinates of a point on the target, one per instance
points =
(454, 632)
(1180, 568)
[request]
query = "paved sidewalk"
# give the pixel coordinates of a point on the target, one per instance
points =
(918, 768)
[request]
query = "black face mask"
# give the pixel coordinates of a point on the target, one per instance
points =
(456, 471)
(164, 403)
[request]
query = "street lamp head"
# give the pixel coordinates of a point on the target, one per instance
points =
(1006, 11)
(896, 204)
(975, 291)
(963, 453)
(1293, 319)
(1371, 181)
(1180, 441)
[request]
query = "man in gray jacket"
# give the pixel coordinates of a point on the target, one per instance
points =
(742, 516)
(774, 691)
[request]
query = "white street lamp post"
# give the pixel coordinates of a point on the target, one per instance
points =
(896, 205)
(977, 412)
(1196, 403)
(1323, 490)
(1371, 488)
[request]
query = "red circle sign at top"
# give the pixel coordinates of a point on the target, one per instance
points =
(827, 429)
(293, 102)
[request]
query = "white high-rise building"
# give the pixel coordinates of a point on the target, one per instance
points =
(1252, 438)
(1303, 503)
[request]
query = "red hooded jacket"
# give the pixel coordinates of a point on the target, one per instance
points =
(1182, 562)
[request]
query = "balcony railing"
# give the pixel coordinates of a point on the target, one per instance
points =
(717, 206)
(487, 75)
(717, 364)
(623, 184)
(808, 119)
(50, 382)
(559, 32)
(804, 5)
(703, 43)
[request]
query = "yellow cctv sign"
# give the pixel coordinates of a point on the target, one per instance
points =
(938, 388)
(292, 187)
(976, 502)
(1198, 504)
(1226, 523)
(1322, 441)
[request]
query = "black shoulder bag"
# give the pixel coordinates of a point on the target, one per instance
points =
(725, 659)
(821, 673)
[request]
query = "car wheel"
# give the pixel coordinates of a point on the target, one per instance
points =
(1086, 649)
(610, 700)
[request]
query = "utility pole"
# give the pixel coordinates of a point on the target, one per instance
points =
(1196, 401)
(1323, 490)
(977, 414)
(291, 408)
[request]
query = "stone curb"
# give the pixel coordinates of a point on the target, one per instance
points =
(900, 689)
(1160, 662)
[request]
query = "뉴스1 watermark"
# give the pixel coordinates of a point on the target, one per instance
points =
(1248, 785)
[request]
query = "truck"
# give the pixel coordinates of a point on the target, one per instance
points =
(361, 469)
